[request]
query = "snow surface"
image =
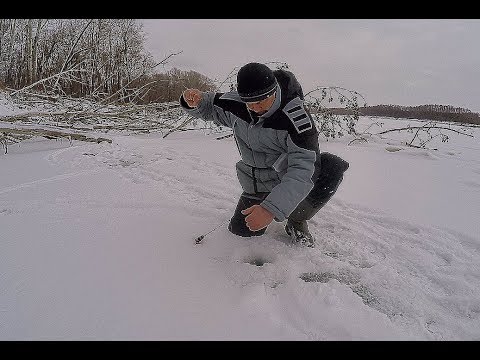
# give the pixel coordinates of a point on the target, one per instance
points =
(97, 243)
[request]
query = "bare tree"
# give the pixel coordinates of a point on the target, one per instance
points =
(106, 53)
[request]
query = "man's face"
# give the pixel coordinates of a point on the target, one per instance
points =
(262, 106)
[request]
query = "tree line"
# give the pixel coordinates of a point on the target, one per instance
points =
(95, 58)
(422, 112)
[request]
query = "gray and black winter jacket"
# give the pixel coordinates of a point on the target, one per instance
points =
(279, 150)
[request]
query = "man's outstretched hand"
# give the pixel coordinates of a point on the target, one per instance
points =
(257, 217)
(192, 97)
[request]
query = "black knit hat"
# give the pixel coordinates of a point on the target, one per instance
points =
(255, 82)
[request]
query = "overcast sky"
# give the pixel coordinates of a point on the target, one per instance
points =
(388, 61)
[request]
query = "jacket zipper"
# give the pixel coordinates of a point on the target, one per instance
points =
(249, 127)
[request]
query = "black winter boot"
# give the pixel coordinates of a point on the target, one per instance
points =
(299, 233)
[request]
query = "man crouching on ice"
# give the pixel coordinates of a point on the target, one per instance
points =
(282, 172)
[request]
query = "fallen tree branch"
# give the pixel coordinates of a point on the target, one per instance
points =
(422, 127)
(189, 118)
(52, 134)
(24, 116)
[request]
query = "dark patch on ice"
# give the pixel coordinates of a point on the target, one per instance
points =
(121, 162)
(392, 148)
(358, 263)
(365, 294)
(345, 277)
(275, 284)
(317, 277)
(126, 163)
(332, 254)
(257, 260)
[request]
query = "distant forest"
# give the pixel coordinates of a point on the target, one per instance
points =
(95, 58)
(421, 112)
(105, 59)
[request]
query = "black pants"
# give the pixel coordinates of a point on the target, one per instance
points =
(331, 175)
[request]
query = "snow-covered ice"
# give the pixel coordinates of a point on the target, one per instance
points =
(97, 243)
